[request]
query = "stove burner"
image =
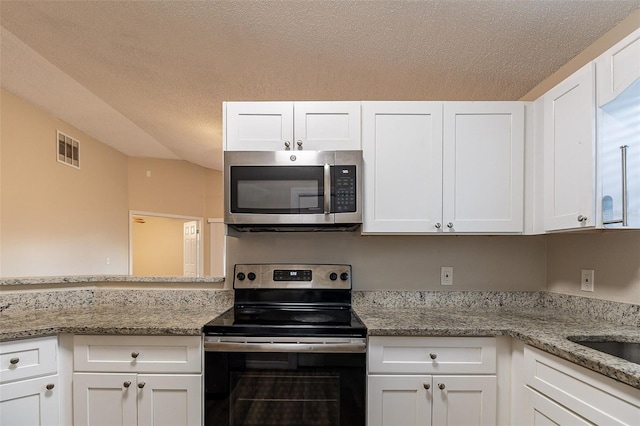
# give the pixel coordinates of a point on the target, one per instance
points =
(312, 318)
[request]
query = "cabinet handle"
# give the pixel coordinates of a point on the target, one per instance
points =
(134, 355)
(450, 225)
(299, 143)
(126, 384)
(438, 225)
(50, 386)
(441, 386)
(623, 153)
(582, 218)
(14, 361)
(287, 144)
(141, 385)
(433, 356)
(427, 386)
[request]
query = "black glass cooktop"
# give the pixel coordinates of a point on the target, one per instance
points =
(287, 321)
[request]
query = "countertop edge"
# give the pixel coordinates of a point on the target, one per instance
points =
(79, 279)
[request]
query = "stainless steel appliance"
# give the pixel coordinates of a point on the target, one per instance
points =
(290, 352)
(293, 190)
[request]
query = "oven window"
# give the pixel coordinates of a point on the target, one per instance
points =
(292, 398)
(277, 190)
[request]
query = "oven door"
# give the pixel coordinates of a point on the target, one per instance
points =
(271, 383)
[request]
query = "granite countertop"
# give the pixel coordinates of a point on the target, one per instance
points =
(105, 319)
(544, 328)
(84, 279)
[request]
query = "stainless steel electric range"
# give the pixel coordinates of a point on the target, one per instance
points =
(290, 352)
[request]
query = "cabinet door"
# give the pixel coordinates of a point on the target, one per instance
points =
(104, 399)
(483, 183)
(569, 153)
(399, 400)
(258, 126)
(402, 152)
(30, 402)
(169, 399)
(542, 411)
(464, 400)
(325, 126)
(618, 67)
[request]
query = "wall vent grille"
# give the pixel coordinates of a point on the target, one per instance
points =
(68, 150)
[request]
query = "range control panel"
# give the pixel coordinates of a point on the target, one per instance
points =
(292, 276)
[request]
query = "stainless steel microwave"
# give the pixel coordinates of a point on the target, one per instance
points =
(293, 190)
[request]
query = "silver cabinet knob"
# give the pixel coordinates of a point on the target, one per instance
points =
(14, 361)
(126, 384)
(299, 143)
(427, 386)
(287, 144)
(441, 386)
(438, 225)
(50, 386)
(433, 356)
(134, 355)
(450, 225)
(141, 385)
(582, 218)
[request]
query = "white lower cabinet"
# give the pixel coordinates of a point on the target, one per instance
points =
(29, 391)
(123, 380)
(461, 389)
(560, 392)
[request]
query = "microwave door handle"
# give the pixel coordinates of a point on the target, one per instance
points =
(327, 189)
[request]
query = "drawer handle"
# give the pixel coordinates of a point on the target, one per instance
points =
(441, 386)
(141, 385)
(50, 386)
(14, 361)
(433, 356)
(427, 386)
(134, 355)
(126, 384)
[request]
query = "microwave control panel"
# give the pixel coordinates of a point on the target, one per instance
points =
(343, 198)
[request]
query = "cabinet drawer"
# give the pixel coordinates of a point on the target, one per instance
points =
(23, 359)
(420, 355)
(593, 396)
(140, 354)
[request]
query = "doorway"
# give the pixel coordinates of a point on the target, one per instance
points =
(165, 245)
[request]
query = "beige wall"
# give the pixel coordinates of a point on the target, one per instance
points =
(58, 220)
(176, 188)
(157, 247)
(405, 262)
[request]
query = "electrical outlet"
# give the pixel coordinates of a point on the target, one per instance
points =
(586, 280)
(446, 275)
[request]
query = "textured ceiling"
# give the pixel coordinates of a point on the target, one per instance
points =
(149, 78)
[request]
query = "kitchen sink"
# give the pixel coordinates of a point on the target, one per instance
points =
(626, 350)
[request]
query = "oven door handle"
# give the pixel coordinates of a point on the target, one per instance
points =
(217, 346)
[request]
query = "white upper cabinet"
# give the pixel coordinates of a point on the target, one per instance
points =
(429, 171)
(402, 151)
(569, 153)
(483, 180)
(618, 68)
(274, 126)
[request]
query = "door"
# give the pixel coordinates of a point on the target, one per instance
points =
(104, 399)
(402, 152)
(569, 153)
(258, 126)
(327, 126)
(30, 402)
(399, 400)
(542, 411)
(169, 399)
(483, 164)
(191, 247)
(464, 400)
